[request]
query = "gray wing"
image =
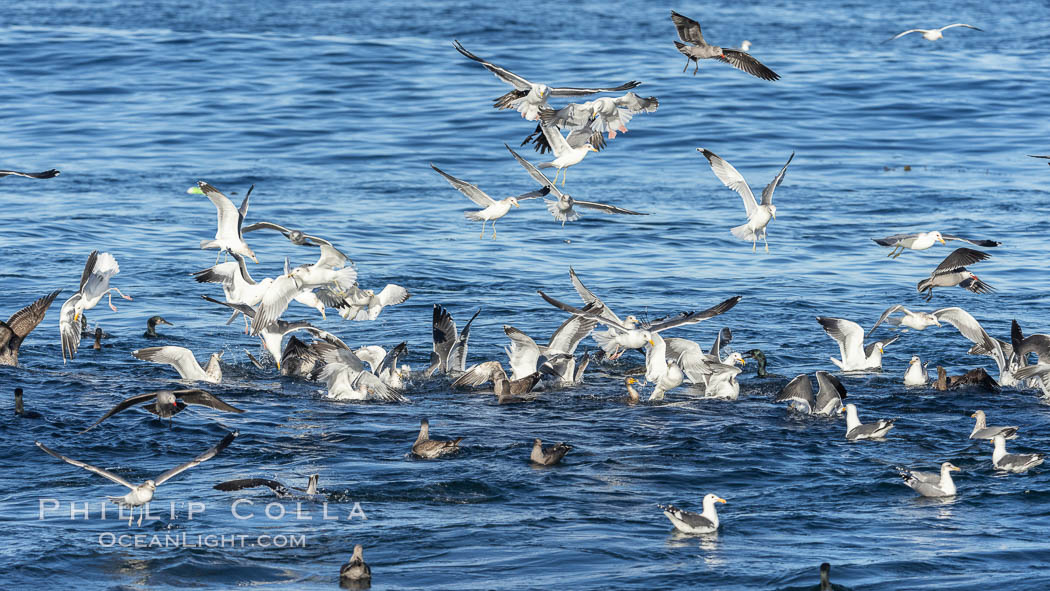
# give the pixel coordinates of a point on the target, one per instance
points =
(444, 334)
(392, 357)
(798, 390)
(596, 314)
(180, 358)
(88, 467)
(694, 520)
(202, 398)
(893, 240)
(556, 141)
(743, 61)
(265, 226)
(960, 258)
(69, 330)
(374, 386)
(605, 208)
(868, 429)
(830, 393)
(974, 241)
(232, 485)
(968, 326)
(535, 173)
(500, 72)
(723, 338)
(229, 216)
(688, 29)
(886, 314)
(543, 192)
(636, 104)
(731, 178)
(274, 302)
(568, 91)
(588, 296)
(479, 374)
(471, 191)
(767, 193)
(870, 348)
(576, 328)
(524, 353)
(89, 268)
(47, 174)
(961, 25)
(211, 453)
(577, 138)
(242, 308)
(457, 356)
(694, 317)
(124, 405)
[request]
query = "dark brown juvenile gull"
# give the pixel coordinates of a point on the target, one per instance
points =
(952, 271)
(550, 455)
(696, 48)
(143, 493)
(562, 207)
(168, 403)
(529, 97)
(428, 448)
(19, 325)
(47, 174)
(492, 371)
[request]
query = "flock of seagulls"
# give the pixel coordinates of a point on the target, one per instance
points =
(373, 373)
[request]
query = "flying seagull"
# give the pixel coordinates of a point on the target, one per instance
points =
(529, 97)
(924, 240)
(94, 283)
(932, 34)
(952, 271)
(696, 48)
(184, 362)
(562, 207)
(168, 403)
(143, 493)
(228, 235)
(19, 325)
(850, 337)
(758, 214)
(492, 209)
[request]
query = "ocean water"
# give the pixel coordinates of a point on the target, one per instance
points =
(333, 110)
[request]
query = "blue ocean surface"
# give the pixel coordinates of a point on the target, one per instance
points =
(333, 110)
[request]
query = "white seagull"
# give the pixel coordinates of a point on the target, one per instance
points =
(758, 214)
(1012, 462)
(932, 34)
(143, 493)
(493, 210)
(850, 337)
(184, 362)
(924, 240)
(695, 523)
(916, 374)
(856, 430)
(228, 233)
(931, 484)
(94, 283)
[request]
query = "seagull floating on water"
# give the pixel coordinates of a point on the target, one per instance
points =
(696, 48)
(981, 430)
(19, 325)
(695, 523)
(143, 493)
(356, 574)
(529, 97)
(856, 430)
(428, 448)
(916, 374)
(758, 214)
(1012, 462)
(932, 484)
(548, 456)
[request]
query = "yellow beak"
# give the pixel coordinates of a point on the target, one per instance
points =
(76, 316)
(881, 350)
(743, 361)
(973, 416)
(774, 215)
(515, 205)
(956, 469)
(941, 240)
(720, 500)
(593, 149)
(652, 343)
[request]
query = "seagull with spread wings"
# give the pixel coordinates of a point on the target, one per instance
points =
(529, 97)
(924, 240)
(94, 283)
(493, 210)
(450, 346)
(143, 493)
(228, 233)
(850, 338)
(168, 403)
(932, 34)
(184, 362)
(758, 214)
(47, 174)
(563, 207)
(696, 48)
(952, 271)
(19, 325)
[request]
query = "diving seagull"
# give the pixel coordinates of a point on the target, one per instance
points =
(143, 493)
(529, 97)
(696, 48)
(1012, 462)
(168, 403)
(695, 523)
(184, 362)
(280, 489)
(19, 325)
(228, 235)
(924, 240)
(492, 210)
(981, 430)
(758, 214)
(932, 484)
(828, 400)
(932, 34)
(548, 456)
(952, 271)
(94, 283)
(562, 206)
(856, 430)
(428, 448)
(47, 174)
(850, 338)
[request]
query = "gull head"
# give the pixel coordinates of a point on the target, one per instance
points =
(150, 485)
(735, 358)
(590, 147)
(631, 321)
(950, 466)
(773, 210)
(977, 415)
(251, 255)
(914, 360)
(513, 201)
(711, 499)
(936, 235)
(928, 319)
(745, 45)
